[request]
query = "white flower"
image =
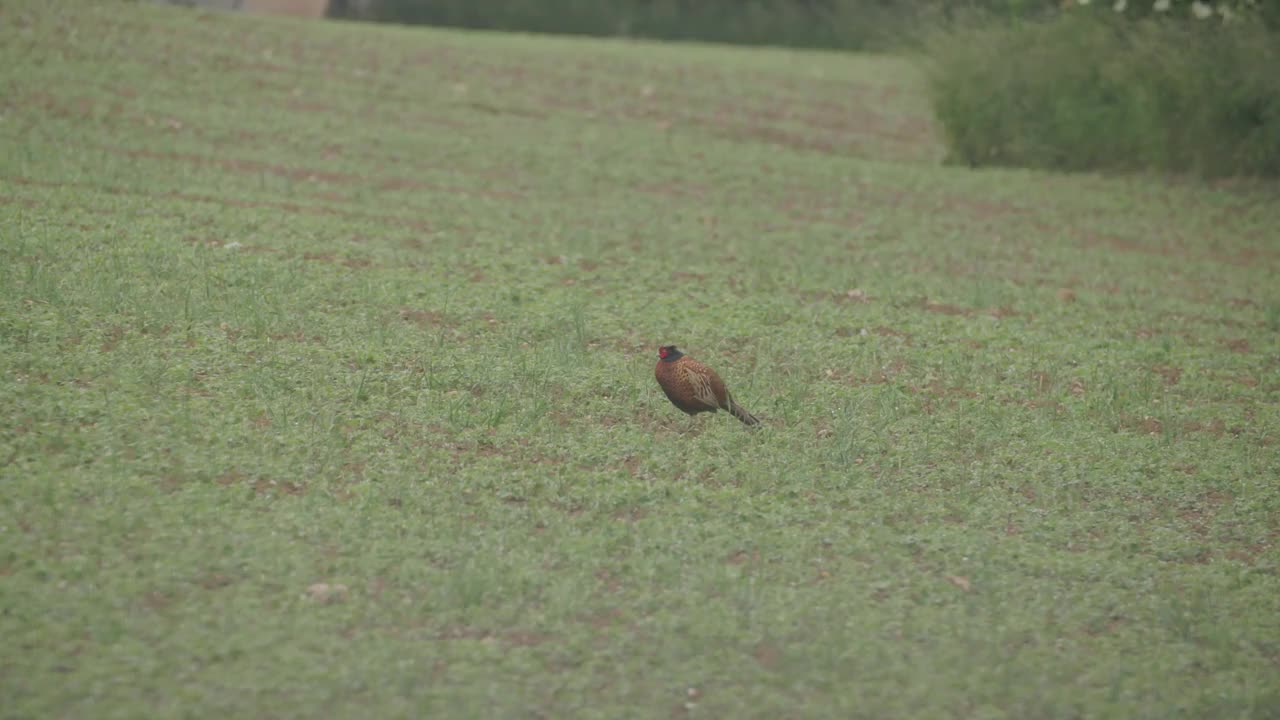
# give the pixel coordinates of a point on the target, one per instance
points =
(1161, 5)
(1201, 10)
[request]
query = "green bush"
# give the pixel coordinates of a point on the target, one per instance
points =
(1097, 90)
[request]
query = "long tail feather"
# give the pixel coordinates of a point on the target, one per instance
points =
(741, 413)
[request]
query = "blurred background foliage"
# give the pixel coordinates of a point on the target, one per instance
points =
(835, 24)
(1182, 86)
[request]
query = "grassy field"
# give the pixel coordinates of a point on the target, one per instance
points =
(326, 390)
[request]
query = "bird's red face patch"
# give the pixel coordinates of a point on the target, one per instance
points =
(662, 353)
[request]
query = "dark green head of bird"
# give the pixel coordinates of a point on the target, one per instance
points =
(670, 353)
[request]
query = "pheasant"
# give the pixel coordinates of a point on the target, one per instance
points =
(694, 387)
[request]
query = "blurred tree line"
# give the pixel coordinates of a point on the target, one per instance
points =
(841, 24)
(838, 24)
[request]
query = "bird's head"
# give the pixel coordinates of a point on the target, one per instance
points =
(669, 352)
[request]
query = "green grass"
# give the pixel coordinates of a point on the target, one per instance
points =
(285, 304)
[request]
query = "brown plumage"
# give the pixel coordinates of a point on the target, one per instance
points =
(694, 387)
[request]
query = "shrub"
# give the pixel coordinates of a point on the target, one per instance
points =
(1091, 90)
